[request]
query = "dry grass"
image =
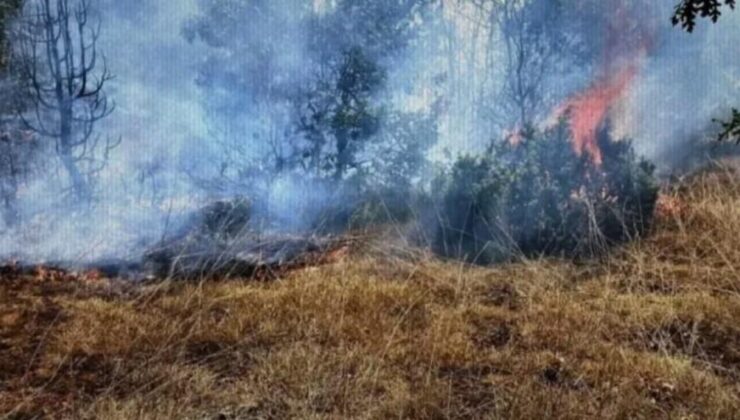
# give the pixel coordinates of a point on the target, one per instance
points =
(654, 332)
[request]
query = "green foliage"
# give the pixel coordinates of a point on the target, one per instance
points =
(360, 205)
(8, 9)
(539, 198)
(731, 128)
(384, 188)
(397, 157)
(382, 207)
(327, 93)
(688, 10)
(354, 117)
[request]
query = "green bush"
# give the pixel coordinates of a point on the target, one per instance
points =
(539, 197)
(359, 207)
(383, 207)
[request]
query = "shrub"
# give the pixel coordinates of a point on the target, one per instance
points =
(226, 219)
(538, 197)
(357, 206)
(382, 207)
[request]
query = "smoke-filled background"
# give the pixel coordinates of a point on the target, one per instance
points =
(305, 107)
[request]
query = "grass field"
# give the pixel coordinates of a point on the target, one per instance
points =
(652, 331)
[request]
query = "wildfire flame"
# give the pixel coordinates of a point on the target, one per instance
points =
(589, 109)
(515, 136)
(622, 55)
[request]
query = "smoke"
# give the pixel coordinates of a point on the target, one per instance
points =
(688, 80)
(159, 119)
(187, 141)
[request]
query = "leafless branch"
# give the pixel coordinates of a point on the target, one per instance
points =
(65, 76)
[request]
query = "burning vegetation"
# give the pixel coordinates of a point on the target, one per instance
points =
(331, 126)
(541, 196)
(366, 209)
(588, 111)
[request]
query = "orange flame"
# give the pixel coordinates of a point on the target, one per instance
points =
(515, 136)
(589, 109)
(620, 63)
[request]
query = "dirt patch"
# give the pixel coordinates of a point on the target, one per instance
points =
(503, 294)
(556, 374)
(228, 362)
(254, 258)
(471, 393)
(82, 374)
(710, 345)
(23, 336)
(493, 332)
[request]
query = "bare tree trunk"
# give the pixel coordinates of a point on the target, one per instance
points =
(65, 76)
(66, 154)
(342, 155)
(79, 184)
(10, 201)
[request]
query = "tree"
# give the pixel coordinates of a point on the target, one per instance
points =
(540, 42)
(351, 46)
(688, 10)
(18, 147)
(64, 76)
(253, 64)
(536, 48)
(342, 113)
(383, 28)
(8, 9)
(297, 87)
(18, 161)
(731, 128)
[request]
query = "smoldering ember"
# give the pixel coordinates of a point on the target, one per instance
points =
(452, 175)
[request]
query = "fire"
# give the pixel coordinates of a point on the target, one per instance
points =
(669, 207)
(622, 55)
(515, 136)
(589, 109)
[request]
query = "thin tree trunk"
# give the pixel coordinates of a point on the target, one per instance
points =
(79, 184)
(342, 156)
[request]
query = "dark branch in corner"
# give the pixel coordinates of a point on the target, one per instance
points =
(731, 128)
(688, 10)
(686, 13)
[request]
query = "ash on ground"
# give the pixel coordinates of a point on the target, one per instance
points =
(222, 240)
(219, 241)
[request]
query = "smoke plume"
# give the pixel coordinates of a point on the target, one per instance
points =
(185, 144)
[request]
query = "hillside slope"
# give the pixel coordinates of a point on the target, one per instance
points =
(651, 332)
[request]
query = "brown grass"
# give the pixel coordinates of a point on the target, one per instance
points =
(654, 332)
